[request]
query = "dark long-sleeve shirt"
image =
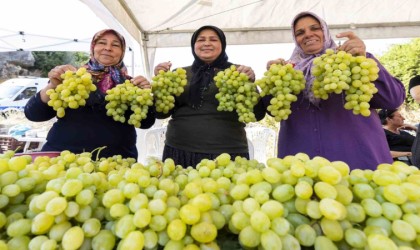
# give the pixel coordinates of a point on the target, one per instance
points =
(87, 128)
(401, 142)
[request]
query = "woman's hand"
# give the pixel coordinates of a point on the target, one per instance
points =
(55, 74)
(408, 127)
(396, 154)
(354, 45)
(165, 66)
(55, 79)
(280, 61)
(248, 71)
(141, 82)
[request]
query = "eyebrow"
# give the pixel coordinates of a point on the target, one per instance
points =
(315, 25)
(113, 41)
(208, 37)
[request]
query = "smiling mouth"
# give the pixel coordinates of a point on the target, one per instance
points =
(310, 42)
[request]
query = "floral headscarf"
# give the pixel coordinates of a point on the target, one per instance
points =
(203, 73)
(303, 61)
(106, 77)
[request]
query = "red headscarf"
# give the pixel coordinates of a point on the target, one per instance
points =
(107, 77)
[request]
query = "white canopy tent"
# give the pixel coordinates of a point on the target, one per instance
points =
(168, 23)
(55, 25)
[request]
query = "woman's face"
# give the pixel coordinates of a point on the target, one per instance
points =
(309, 35)
(396, 119)
(108, 50)
(208, 46)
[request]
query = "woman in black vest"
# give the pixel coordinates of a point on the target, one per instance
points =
(197, 130)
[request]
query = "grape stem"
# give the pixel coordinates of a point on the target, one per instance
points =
(99, 149)
(17, 148)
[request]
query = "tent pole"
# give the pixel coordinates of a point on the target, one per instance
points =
(132, 62)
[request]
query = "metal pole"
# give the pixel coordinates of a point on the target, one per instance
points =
(132, 61)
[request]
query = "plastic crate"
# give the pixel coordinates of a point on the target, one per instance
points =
(9, 143)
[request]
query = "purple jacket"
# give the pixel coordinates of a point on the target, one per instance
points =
(337, 134)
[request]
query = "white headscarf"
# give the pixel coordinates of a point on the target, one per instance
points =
(303, 61)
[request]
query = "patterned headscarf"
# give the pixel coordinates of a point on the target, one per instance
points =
(106, 77)
(203, 73)
(303, 61)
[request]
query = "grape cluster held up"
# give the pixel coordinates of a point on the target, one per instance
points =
(338, 71)
(72, 92)
(128, 96)
(237, 93)
(284, 83)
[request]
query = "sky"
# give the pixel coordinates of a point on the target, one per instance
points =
(71, 19)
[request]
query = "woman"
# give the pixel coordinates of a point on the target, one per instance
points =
(399, 141)
(197, 130)
(323, 127)
(88, 127)
(414, 89)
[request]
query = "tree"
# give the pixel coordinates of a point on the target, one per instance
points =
(46, 60)
(403, 62)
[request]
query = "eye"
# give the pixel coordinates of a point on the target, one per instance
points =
(316, 28)
(299, 32)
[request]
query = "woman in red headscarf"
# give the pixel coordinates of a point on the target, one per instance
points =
(89, 127)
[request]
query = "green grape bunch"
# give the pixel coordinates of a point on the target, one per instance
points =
(338, 71)
(128, 96)
(72, 92)
(165, 86)
(364, 73)
(332, 73)
(237, 93)
(284, 83)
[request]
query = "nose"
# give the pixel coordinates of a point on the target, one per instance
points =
(308, 33)
(108, 46)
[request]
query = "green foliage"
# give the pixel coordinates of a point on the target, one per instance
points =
(403, 62)
(80, 58)
(46, 60)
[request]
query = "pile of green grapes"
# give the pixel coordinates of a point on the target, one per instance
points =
(165, 86)
(339, 71)
(74, 202)
(284, 83)
(237, 93)
(125, 96)
(72, 92)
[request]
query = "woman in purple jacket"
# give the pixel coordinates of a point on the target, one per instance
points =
(323, 127)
